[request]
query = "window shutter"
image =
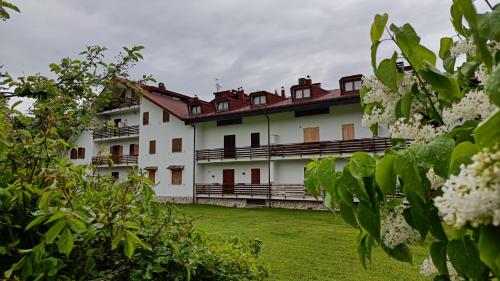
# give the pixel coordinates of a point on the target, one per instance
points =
(311, 134)
(166, 116)
(348, 131)
(152, 147)
(177, 145)
(145, 118)
(81, 153)
(176, 176)
(74, 154)
(152, 175)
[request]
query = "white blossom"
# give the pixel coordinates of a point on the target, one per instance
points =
(473, 196)
(413, 129)
(436, 181)
(386, 100)
(428, 269)
(474, 105)
(482, 74)
(463, 47)
(395, 230)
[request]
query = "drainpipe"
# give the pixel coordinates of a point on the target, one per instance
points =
(268, 162)
(194, 163)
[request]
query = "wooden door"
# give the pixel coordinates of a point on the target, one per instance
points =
(348, 131)
(134, 149)
(311, 134)
(229, 146)
(228, 181)
(255, 176)
(116, 153)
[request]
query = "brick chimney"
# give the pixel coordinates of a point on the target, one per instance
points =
(282, 92)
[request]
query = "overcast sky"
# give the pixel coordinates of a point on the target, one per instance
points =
(258, 44)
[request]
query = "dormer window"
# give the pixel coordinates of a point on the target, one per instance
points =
(302, 94)
(350, 86)
(259, 100)
(222, 106)
(195, 109)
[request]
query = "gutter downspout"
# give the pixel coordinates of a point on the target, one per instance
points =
(268, 162)
(194, 163)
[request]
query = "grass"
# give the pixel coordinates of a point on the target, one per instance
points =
(304, 245)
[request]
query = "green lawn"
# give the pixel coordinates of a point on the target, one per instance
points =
(303, 245)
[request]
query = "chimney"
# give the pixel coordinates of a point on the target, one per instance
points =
(161, 86)
(282, 92)
(308, 80)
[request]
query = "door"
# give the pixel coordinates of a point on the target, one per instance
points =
(228, 181)
(229, 146)
(116, 153)
(347, 131)
(255, 176)
(311, 134)
(255, 140)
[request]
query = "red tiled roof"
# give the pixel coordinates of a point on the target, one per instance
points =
(174, 106)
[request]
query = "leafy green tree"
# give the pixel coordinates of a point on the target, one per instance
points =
(4, 9)
(445, 161)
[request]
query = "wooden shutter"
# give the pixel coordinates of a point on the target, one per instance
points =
(311, 134)
(73, 153)
(176, 176)
(255, 176)
(81, 153)
(152, 175)
(348, 131)
(177, 145)
(134, 149)
(166, 116)
(145, 118)
(255, 140)
(152, 147)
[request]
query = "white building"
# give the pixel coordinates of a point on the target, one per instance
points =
(238, 149)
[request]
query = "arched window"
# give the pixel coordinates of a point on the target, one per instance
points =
(74, 153)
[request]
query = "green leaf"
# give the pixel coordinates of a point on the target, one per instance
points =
(362, 165)
(409, 43)
(437, 153)
(456, 19)
(65, 242)
(446, 87)
(373, 53)
(444, 46)
(493, 86)
(348, 185)
(435, 224)
(77, 225)
(489, 248)
(387, 73)
(347, 212)
(462, 154)
(401, 252)
(10, 6)
(406, 100)
(487, 133)
(405, 165)
(35, 222)
(369, 220)
(128, 247)
(464, 257)
(385, 176)
(378, 27)
(326, 172)
(438, 255)
(54, 231)
(311, 181)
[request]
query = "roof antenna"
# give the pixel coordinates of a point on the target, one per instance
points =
(218, 86)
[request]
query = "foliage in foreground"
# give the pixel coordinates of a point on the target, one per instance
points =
(59, 222)
(451, 170)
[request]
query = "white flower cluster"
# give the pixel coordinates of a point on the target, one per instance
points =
(482, 74)
(463, 47)
(428, 269)
(473, 196)
(386, 101)
(436, 181)
(413, 129)
(475, 104)
(395, 230)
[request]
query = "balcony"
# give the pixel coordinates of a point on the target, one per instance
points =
(259, 191)
(295, 149)
(117, 105)
(118, 160)
(121, 132)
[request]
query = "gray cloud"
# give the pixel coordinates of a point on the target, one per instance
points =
(258, 44)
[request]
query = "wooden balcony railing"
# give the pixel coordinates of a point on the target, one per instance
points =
(121, 103)
(277, 191)
(296, 149)
(106, 133)
(117, 160)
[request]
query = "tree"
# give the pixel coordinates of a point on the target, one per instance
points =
(445, 161)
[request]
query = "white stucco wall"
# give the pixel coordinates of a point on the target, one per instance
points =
(132, 117)
(84, 140)
(212, 173)
(163, 133)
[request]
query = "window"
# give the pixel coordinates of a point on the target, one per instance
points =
(255, 139)
(348, 131)
(73, 154)
(259, 100)
(350, 86)
(152, 175)
(152, 147)
(117, 122)
(145, 118)
(223, 106)
(311, 134)
(302, 94)
(177, 145)
(115, 175)
(195, 109)
(166, 116)
(176, 176)
(134, 149)
(81, 153)
(255, 176)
